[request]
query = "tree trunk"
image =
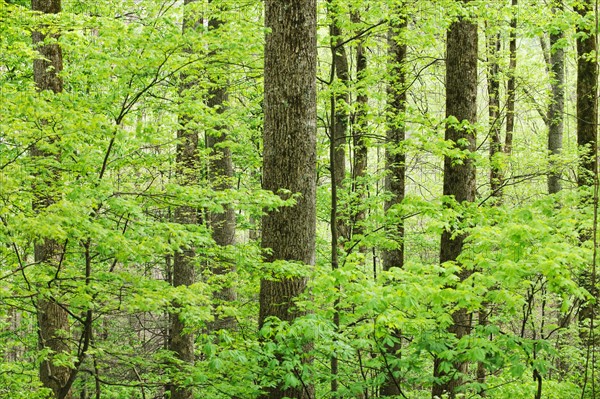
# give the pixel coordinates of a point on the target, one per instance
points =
(557, 106)
(587, 131)
(511, 84)
(493, 46)
(493, 79)
(459, 178)
(395, 163)
(359, 138)
(337, 158)
(396, 134)
(182, 342)
(587, 105)
(221, 174)
(186, 170)
(53, 320)
(340, 116)
(289, 157)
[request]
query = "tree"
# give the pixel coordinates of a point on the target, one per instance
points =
(495, 123)
(134, 172)
(341, 98)
(587, 128)
(512, 79)
(289, 158)
(337, 155)
(395, 158)
(221, 174)
(360, 149)
(587, 103)
(459, 174)
(53, 318)
(184, 260)
(557, 103)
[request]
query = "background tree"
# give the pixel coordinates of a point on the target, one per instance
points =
(587, 128)
(221, 173)
(395, 160)
(360, 123)
(53, 318)
(512, 79)
(184, 260)
(556, 108)
(493, 47)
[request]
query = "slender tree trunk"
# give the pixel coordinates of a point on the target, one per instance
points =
(333, 223)
(587, 130)
(587, 103)
(340, 116)
(337, 158)
(493, 80)
(556, 108)
(221, 174)
(396, 134)
(289, 157)
(459, 178)
(186, 170)
(493, 46)
(53, 320)
(395, 164)
(511, 84)
(359, 137)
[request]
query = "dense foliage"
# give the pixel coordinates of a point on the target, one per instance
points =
(110, 139)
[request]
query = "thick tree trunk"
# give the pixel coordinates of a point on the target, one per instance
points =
(186, 170)
(53, 320)
(182, 342)
(395, 163)
(47, 68)
(556, 108)
(289, 161)
(459, 178)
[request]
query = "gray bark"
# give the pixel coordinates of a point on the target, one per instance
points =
(289, 157)
(459, 178)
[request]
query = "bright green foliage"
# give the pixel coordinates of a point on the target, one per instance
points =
(112, 137)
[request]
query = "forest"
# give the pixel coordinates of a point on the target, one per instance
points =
(299, 199)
